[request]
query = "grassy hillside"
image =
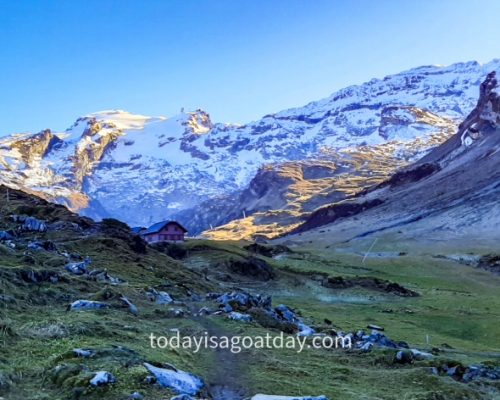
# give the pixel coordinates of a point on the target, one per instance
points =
(455, 314)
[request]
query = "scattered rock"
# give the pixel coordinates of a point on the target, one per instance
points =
(490, 262)
(367, 346)
(4, 235)
(404, 357)
(236, 316)
(34, 225)
(235, 301)
(87, 305)
(84, 353)
(420, 355)
(288, 315)
(33, 246)
(465, 374)
(136, 396)
(273, 397)
(179, 381)
(269, 319)
(176, 313)
(131, 307)
(480, 371)
(204, 311)
(102, 378)
(78, 268)
(159, 297)
(103, 276)
(375, 338)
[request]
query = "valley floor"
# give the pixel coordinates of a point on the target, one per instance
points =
(424, 295)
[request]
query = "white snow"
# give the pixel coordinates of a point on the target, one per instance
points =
(156, 166)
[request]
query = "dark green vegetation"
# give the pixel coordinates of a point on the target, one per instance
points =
(456, 313)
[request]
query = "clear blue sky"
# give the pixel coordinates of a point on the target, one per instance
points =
(236, 59)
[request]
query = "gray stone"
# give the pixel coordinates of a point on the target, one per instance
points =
(33, 224)
(102, 378)
(85, 353)
(179, 381)
(4, 235)
(87, 305)
(236, 316)
(131, 307)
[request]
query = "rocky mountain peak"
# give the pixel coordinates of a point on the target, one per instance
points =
(486, 114)
(141, 169)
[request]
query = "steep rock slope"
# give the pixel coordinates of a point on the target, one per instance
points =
(452, 192)
(142, 169)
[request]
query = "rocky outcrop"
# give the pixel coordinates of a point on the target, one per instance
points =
(36, 147)
(330, 214)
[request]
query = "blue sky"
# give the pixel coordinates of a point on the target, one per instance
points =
(236, 59)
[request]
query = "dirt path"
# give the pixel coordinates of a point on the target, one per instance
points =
(226, 380)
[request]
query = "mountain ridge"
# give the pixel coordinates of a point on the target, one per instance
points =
(453, 190)
(98, 166)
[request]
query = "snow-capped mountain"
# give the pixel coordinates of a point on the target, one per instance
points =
(143, 169)
(452, 192)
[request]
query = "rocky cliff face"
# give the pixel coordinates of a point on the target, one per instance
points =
(142, 169)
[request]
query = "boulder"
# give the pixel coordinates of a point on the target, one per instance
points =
(131, 307)
(240, 301)
(236, 316)
(87, 305)
(4, 235)
(179, 381)
(421, 355)
(159, 297)
(103, 276)
(102, 378)
(480, 371)
(78, 268)
(84, 353)
(33, 224)
(404, 357)
(376, 339)
(289, 316)
(33, 246)
(204, 311)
